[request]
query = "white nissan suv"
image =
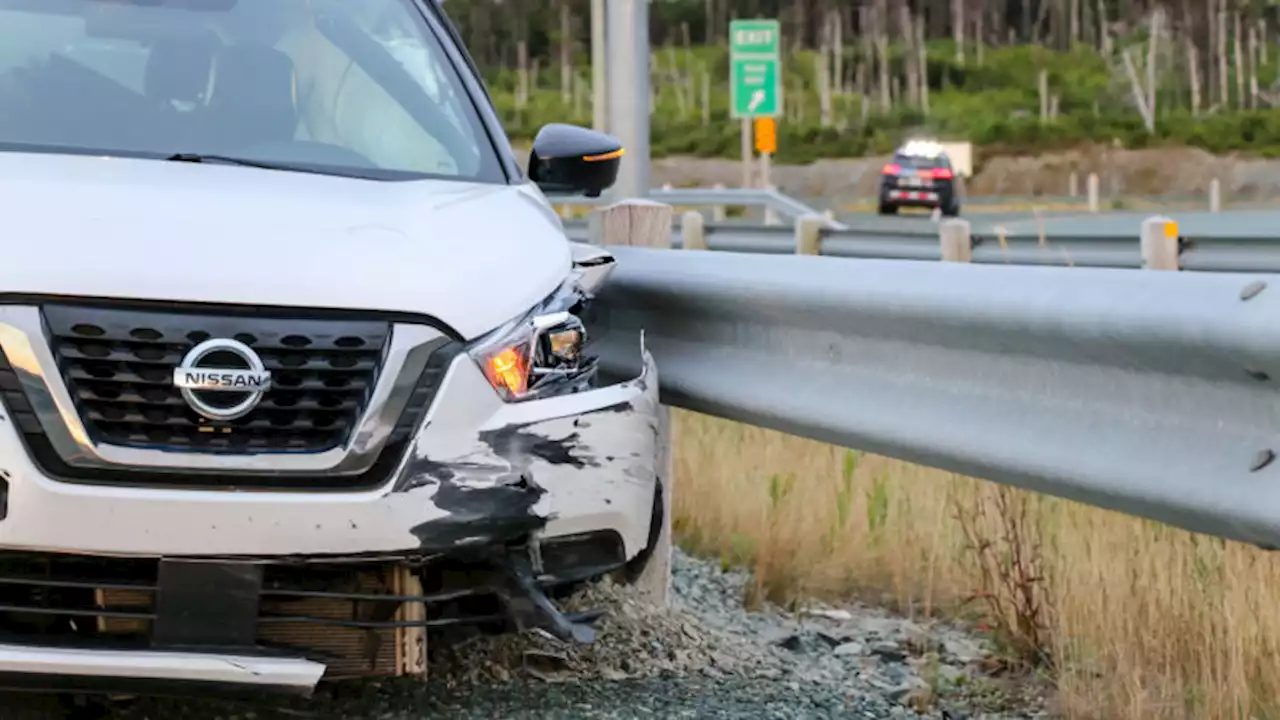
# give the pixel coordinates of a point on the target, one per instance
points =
(292, 352)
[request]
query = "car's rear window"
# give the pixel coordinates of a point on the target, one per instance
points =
(920, 161)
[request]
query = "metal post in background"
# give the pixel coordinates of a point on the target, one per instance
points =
(627, 87)
(748, 154)
(599, 78)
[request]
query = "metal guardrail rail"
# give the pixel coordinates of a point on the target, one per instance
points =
(1196, 253)
(1150, 393)
(784, 205)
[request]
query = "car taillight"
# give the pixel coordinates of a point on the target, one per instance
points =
(941, 174)
(891, 169)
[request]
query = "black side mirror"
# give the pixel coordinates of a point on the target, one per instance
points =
(570, 159)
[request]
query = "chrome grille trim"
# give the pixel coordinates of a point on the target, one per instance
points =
(26, 342)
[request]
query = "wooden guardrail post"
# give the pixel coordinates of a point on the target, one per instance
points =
(1215, 195)
(1159, 243)
(638, 222)
(646, 223)
(693, 231)
(957, 242)
(809, 234)
(1093, 192)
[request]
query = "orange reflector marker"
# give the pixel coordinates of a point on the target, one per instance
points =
(507, 370)
(1171, 229)
(605, 156)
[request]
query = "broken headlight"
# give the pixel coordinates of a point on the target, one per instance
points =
(541, 352)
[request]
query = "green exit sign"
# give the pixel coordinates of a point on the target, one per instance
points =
(755, 68)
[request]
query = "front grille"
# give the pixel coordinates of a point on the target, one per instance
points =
(118, 367)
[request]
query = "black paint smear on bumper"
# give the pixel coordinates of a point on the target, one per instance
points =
(482, 515)
(517, 445)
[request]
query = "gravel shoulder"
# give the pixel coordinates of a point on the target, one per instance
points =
(704, 657)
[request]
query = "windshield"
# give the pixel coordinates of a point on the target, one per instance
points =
(351, 87)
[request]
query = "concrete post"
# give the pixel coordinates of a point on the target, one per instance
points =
(957, 243)
(1215, 195)
(1159, 243)
(1073, 185)
(1093, 192)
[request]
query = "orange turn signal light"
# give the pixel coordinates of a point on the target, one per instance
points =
(508, 370)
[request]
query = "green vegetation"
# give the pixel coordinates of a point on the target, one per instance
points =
(995, 104)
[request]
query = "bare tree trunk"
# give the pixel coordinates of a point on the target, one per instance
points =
(821, 73)
(1139, 98)
(1074, 21)
(1044, 96)
(1104, 29)
(566, 53)
(907, 27)
(1252, 57)
(922, 47)
(957, 25)
(1193, 71)
(1153, 58)
(1263, 41)
(837, 48)
(1224, 76)
(1239, 58)
(522, 68)
(882, 46)
(979, 34)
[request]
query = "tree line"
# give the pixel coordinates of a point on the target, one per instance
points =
(1029, 72)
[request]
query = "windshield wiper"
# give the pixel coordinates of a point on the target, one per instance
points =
(242, 162)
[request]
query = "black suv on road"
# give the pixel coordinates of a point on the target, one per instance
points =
(919, 175)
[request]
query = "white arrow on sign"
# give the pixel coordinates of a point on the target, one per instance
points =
(757, 97)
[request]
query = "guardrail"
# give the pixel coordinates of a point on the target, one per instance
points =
(1149, 393)
(811, 235)
(718, 198)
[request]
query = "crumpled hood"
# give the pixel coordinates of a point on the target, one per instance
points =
(470, 255)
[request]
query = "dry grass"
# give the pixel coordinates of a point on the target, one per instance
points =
(1134, 619)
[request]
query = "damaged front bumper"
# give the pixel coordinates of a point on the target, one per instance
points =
(203, 581)
(479, 471)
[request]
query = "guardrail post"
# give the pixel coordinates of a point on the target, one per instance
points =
(638, 222)
(770, 214)
(1215, 195)
(693, 231)
(1073, 185)
(1093, 192)
(647, 223)
(718, 213)
(809, 234)
(1159, 242)
(957, 243)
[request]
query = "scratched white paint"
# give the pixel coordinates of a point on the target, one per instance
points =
(48, 515)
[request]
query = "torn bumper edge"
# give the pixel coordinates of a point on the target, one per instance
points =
(592, 454)
(25, 668)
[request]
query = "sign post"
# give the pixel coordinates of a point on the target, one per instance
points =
(755, 89)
